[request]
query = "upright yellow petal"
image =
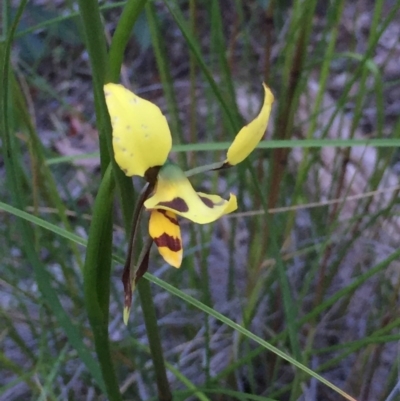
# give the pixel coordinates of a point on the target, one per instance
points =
(249, 136)
(166, 233)
(141, 136)
(174, 192)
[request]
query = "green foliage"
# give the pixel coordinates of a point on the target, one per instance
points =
(295, 295)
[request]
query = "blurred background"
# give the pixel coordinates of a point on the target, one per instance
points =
(310, 260)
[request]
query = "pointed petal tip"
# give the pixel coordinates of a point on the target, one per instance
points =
(251, 134)
(232, 203)
(175, 261)
(173, 258)
(269, 97)
(126, 313)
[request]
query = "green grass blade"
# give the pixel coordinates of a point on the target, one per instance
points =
(233, 120)
(165, 73)
(227, 321)
(245, 332)
(13, 179)
(96, 275)
(96, 46)
(273, 144)
(130, 14)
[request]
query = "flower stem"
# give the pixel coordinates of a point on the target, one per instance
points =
(96, 274)
(207, 167)
(150, 319)
(146, 299)
(97, 51)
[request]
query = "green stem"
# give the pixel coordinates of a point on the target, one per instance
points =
(146, 300)
(96, 274)
(205, 169)
(119, 41)
(97, 267)
(150, 319)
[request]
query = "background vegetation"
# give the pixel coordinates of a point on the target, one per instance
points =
(294, 296)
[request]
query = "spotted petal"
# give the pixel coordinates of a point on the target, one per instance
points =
(249, 136)
(141, 136)
(175, 193)
(165, 231)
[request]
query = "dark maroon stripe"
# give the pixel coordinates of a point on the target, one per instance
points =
(171, 219)
(208, 202)
(177, 203)
(172, 243)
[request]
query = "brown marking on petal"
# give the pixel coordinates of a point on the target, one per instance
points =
(178, 204)
(208, 202)
(172, 243)
(171, 219)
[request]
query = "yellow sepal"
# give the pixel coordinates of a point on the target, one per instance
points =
(165, 231)
(141, 136)
(249, 136)
(174, 192)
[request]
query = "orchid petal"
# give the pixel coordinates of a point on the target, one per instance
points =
(141, 136)
(165, 231)
(174, 192)
(249, 136)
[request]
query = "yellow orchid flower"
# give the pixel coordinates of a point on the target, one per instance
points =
(142, 142)
(174, 195)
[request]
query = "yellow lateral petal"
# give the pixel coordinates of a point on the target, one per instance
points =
(249, 136)
(165, 231)
(174, 192)
(141, 136)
